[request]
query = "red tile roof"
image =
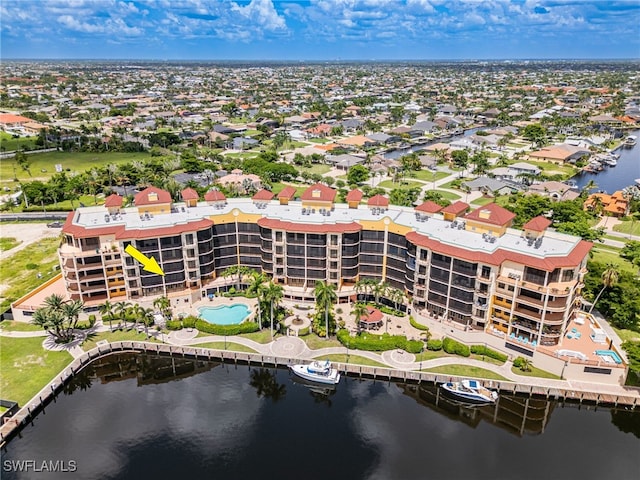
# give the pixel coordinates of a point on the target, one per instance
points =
(319, 192)
(287, 192)
(378, 201)
(10, 118)
(143, 198)
(310, 228)
(113, 200)
(164, 231)
(214, 196)
(429, 207)
(500, 255)
(456, 208)
(189, 194)
(491, 213)
(354, 195)
(537, 224)
(373, 315)
(263, 194)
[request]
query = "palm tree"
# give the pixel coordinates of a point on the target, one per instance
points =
(71, 311)
(609, 279)
(396, 296)
(58, 317)
(257, 286)
(379, 290)
(106, 309)
(358, 311)
(591, 185)
(325, 296)
(164, 305)
(525, 364)
(146, 315)
(273, 294)
(121, 309)
(365, 285)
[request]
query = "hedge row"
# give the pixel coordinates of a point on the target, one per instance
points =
(244, 327)
(434, 345)
(487, 352)
(417, 325)
(451, 346)
(379, 343)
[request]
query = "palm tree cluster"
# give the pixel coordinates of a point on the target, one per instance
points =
(326, 297)
(125, 311)
(369, 286)
(268, 295)
(59, 317)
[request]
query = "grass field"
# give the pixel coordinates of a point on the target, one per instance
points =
(606, 256)
(427, 175)
(466, 371)
(20, 270)
(624, 334)
(236, 347)
(314, 342)
(320, 140)
(550, 168)
(535, 372)
(26, 367)
(117, 336)
(43, 165)
(319, 168)
(7, 243)
(262, 336)
(9, 144)
(632, 228)
(355, 359)
(10, 326)
(405, 184)
(482, 201)
(448, 195)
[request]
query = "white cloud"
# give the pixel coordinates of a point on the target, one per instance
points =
(261, 12)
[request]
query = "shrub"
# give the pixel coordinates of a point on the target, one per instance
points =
(174, 324)
(379, 343)
(518, 362)
(31, 266)
(487, 352)
(304, 331)
(244, 327)
(417, 325)
(456, 348)
(92, 320)
(189, 322)
(434, 345)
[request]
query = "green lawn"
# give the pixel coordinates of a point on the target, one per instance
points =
(452, 182)
(20, 270)
(448, 195)
(74, 161)
(427, 175)
(624, 334)
(319, 168)
(405, 184)
(482, 201)
(466, 371)
(86, 200)
(26, 367)
(607, 256)
(320, 140)
(314, 342)
(535, 372)
(8, 143)
(117, 336)
(632, 228)
(10, 326)
(277, 187)
(7, 243)
(262, 336)
(236, 347)
(549, 167)
(356, 359)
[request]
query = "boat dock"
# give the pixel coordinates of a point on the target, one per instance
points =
(628, 397)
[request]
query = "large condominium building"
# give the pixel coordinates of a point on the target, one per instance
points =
(470, 267)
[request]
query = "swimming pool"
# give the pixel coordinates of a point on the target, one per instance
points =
(225, 314)
(611, 354)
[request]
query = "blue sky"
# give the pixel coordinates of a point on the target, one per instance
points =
(320, 29)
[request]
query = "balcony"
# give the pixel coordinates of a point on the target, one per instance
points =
(115, 283)
(88, 278)
(502, 303)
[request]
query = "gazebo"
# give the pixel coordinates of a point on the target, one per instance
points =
(372, 319)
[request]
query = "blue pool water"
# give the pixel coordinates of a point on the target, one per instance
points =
(611, 354)
(224, 315)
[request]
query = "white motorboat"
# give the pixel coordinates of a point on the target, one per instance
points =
(320, 372)
(470, 391)
(630, 141)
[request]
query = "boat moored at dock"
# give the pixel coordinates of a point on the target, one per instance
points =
(321, 372)
(470, 391)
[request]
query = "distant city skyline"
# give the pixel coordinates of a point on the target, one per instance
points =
(320, 30)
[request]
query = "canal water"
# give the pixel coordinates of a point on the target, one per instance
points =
(615, 178)
(401, 152)
(133, 416)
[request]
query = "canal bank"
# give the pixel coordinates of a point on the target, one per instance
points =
(616, 178)
(579, 392)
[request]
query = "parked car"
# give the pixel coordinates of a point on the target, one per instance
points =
(54, 225)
